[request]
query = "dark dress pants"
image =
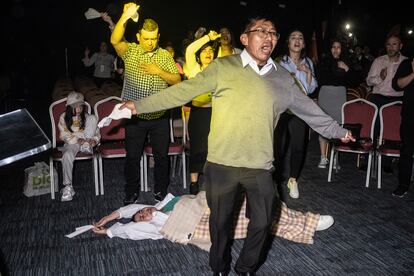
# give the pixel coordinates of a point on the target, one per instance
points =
(224, 185)
(291, 132)
(406, 151)
(136, 132)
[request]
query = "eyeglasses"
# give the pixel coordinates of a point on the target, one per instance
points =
(262, 33)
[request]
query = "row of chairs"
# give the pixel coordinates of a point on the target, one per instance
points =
(364, 113)
(112, 145)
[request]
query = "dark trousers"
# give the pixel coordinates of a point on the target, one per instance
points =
(291, 132)
(379, 101)
(406, 151)
(198, 130)
(224, 185)
(136, 132)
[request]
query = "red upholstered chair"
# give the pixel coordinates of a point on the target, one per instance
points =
(112, 137)
(389, 138)
(55, 110)
(363, 112)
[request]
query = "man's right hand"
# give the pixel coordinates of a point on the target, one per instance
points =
(383, 73)
(99, 230)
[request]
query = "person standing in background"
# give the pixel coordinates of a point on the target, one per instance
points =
(301, 69)
(404, 80)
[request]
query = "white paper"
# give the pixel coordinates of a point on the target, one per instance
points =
(79, 230)
(92, 14)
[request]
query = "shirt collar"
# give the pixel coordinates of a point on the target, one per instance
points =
(248, 60)
(149, 53)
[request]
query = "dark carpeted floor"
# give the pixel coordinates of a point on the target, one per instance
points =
(373, 232)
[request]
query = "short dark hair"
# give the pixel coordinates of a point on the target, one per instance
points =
(252, 21)
(149, 25)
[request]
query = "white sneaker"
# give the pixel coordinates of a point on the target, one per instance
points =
(293, 188)
(323, 163)
(324, 222)
(67, 193)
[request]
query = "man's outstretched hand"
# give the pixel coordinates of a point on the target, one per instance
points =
(130, 105)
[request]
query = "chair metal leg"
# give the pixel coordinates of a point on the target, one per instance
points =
(184, 170)
(101, 176)
(145, 165)
(52, 178)
(142, 175)
(331, 164)
(367, 178)
(379, 171)
(174, 165)
(95, 175)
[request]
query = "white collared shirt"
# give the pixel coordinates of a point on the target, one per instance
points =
(248, 60)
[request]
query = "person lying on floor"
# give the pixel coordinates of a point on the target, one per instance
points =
(185, 220)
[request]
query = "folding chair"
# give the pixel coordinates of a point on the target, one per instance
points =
(55, 110)
(363, 112)
(112, 138)
(389, 138)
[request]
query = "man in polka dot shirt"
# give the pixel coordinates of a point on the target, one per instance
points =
(148, 70)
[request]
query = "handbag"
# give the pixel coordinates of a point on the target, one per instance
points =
(37, 180)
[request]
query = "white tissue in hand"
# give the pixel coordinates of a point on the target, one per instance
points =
(79, 230)
(116, 114)
(92, 14)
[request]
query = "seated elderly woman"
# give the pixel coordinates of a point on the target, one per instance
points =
(185, 220)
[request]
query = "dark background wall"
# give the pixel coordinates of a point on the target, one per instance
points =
(36, 34)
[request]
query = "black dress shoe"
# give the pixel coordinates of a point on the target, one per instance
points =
(130, 198)
(194, 189)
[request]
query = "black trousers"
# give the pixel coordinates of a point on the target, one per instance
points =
(136, 132)
(224, 186)
(198, 130)
(379, 101)
(406, 150)
(291, 132)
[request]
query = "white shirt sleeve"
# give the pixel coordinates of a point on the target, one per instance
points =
(134, 231)
(139, 230)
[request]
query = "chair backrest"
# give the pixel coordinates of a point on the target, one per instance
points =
(115, 131)
(360, 111)
(55, 110)
(390, 121)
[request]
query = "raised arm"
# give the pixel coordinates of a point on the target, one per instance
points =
(117, 37)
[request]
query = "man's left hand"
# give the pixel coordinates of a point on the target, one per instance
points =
(150, 68)
(348, 137)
